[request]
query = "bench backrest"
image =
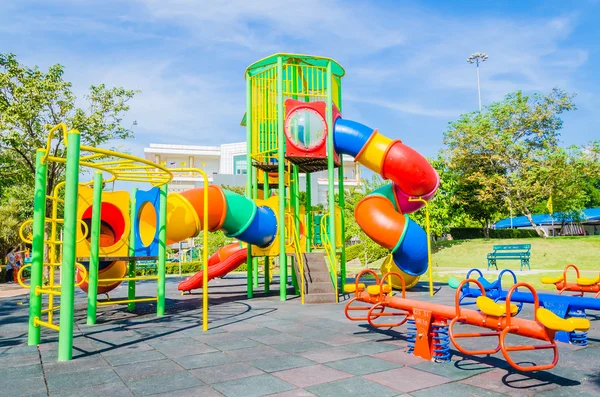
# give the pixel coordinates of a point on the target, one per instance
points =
(512, 247)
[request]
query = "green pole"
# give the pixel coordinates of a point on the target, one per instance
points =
(330, 166)
(132, 264)
(94, 249)
(249, 262)
(254, 196)
(342, 200)
(281, 180)
(295, 197)
(162, 251)
(309, 216)
(37, 247)
(67, 291)
(342, 204)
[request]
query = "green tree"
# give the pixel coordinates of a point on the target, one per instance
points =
(445, 210)
(502, 153)
(32, 101)
(241, 190)
(15, 208)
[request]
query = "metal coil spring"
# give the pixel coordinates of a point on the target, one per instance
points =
(412, 335)
(578, 338)
(441, 343)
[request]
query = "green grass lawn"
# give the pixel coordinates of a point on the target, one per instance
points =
(551, 254)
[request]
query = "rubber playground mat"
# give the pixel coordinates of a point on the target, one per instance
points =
(262, 347)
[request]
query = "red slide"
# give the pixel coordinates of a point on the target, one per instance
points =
(223, 261)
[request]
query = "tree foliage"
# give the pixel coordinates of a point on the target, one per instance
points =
(32, 101)
(509, 156)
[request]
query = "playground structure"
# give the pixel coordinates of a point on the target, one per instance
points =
(432, 326)
(581, 284)
(561, 306)
(293, 125)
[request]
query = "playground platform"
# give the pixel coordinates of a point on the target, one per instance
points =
(260, 347)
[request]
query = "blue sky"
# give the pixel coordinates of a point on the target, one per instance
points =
(406, 69)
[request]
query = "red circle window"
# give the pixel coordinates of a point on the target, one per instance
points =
(305, 128)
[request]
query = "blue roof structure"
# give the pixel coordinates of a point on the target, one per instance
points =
(589, 215)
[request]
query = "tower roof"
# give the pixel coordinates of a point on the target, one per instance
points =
(311, 60)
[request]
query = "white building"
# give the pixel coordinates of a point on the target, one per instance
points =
(226, 165)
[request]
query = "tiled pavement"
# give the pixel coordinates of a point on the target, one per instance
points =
(260, 347)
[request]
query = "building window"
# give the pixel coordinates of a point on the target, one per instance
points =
(240, 165)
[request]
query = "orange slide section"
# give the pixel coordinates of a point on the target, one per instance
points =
(225, 260)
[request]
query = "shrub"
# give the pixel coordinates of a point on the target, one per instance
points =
(355, 251)
(468, 233)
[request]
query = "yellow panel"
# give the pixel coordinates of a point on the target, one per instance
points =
(120, 200)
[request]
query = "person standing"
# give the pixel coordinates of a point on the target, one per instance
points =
(10, 265)
(18, 264)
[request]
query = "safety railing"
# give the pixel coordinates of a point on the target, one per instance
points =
(330, 254)
(294, 242)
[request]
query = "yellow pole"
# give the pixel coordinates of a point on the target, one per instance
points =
(428, 229)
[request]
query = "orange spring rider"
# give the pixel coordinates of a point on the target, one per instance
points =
(581, 284)
(433, 324)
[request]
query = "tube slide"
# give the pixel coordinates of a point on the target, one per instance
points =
(225, 260)
(382, 214)
(230, 212)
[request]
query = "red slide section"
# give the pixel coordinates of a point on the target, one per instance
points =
(220, 263)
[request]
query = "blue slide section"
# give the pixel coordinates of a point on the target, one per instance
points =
(349, 137)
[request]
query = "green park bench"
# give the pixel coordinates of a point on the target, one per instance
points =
(519, 252)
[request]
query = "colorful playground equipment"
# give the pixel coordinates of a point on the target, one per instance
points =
(293, 124)
(581, 284)
(225, 260)
(560, 305)
(432, 326)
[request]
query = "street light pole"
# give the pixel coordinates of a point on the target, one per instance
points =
(477, 58)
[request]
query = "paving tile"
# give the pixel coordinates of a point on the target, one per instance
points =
(114, 389)
(293, 393)
(254, 386)
(80, 364)
(164, 383)
(22, 350)
(341, 340)
(239, 343)
(179, 348)
(22, 373)
(330, 354)
(18, 360)
(254, 353)
(280, 363)
(370, 347)
(276, 339)
(455, 390)
(512, 384)
(222, 373)
(198, 391)
(311, 375)
(77, 380)
(455, 370)
(301, 346)
(399, 357)
(406, 379)
(148, 368)
(134, 357)
(15, 387)
(362, 365)
(352, 387)
(204, 360)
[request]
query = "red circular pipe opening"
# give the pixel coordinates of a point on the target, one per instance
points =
(112, 224)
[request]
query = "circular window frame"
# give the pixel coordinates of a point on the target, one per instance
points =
(291, 140)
